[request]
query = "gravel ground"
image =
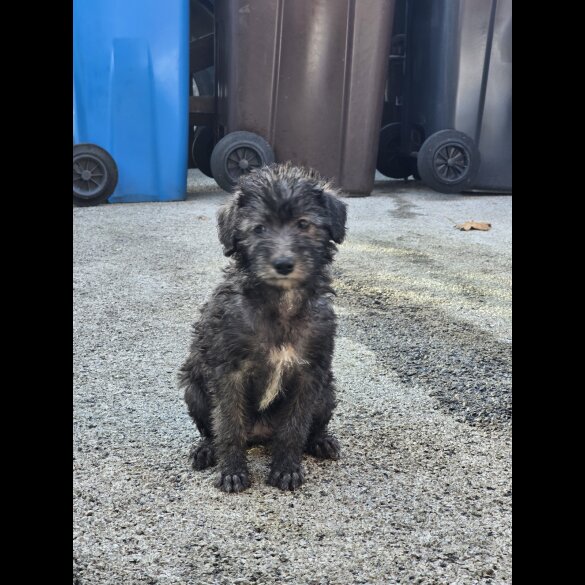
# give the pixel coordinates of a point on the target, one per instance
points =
(422, 493)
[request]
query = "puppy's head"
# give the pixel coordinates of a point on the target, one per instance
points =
(281, 223)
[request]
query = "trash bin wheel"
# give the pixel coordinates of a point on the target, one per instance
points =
(391, 161)
(95, 174)
(448, 161)
(201, 149)
(236, 154)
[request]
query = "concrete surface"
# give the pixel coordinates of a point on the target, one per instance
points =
(422, 494)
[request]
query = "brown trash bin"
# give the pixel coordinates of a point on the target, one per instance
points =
(307, 77)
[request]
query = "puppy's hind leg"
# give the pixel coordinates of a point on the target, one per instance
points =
(202, 454)
(321, 443)
(323, 446)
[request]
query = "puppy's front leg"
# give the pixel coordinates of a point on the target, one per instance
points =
(229, 426)
(289, 442)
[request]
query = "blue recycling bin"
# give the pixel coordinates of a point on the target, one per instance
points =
(130, 95)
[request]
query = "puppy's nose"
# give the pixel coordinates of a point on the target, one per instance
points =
(283, 265)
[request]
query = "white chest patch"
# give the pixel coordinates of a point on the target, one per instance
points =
(280, 359)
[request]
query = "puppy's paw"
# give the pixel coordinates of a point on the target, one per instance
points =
(324, 447)
(286, 477)
(202, 455)
(233, 481)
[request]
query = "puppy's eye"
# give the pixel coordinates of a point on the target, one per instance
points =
(259, 229)
(303, 224)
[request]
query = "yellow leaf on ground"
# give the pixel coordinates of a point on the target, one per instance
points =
(474, 225)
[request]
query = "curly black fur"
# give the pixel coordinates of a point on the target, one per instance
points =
(259, 367)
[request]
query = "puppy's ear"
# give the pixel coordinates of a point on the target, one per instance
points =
(336, 214)
(227, 224)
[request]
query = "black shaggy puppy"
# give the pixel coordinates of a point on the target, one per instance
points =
(260, 362)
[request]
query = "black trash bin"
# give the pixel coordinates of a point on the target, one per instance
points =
(456, 119)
